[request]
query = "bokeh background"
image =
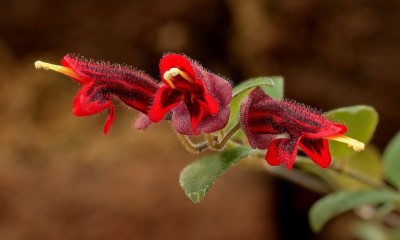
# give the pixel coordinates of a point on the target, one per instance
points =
(60, 178)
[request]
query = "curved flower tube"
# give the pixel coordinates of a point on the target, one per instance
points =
(283, 126)
(199, 100)
(101, 82)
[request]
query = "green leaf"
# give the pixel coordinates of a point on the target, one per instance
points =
(367, 163)
(276, 92)
(391, 160)
(239, 93)
(252, 83)
(369, 231)
(199, 176)
(394, 235)
(360, 121)
(271, 85)
(235, 108)
(339, 202)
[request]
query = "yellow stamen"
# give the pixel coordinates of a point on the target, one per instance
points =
(356, 145)
(171, 73)
(61, 69)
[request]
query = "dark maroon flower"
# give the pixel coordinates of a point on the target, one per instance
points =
(103, 81)
(283, 126)
(199, 100)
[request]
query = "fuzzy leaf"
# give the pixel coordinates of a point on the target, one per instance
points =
(339, 202)
(391, 160)
(360, 121)
(235, 108)
(276, 92)
(252, 83)
(199, 176)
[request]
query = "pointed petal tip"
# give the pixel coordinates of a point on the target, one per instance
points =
(325, 165)
(289, 166)
(142, 122)
(105, 131)
(110, 120)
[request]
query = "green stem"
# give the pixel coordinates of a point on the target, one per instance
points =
(210, 140)
(300, 178)
(349, 172)
(190, 146)
(211, 143)
(359, 177)
(228, 136)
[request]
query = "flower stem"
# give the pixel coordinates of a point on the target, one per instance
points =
(300, 178)
(190, 146)
(225, 140)
(211, 141)
(359, 177)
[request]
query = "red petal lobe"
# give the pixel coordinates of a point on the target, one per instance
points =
(133, 87)
(282, 150)
(317, 150)
(166, 98)
(109, 120)
(176, 61)
(90, 100)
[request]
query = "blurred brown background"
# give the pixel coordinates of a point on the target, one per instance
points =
(60, 178)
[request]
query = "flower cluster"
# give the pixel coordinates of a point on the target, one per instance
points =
(198, 102)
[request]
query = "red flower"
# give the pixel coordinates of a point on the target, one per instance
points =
(282, 126)
(199, 100)
(103, 81)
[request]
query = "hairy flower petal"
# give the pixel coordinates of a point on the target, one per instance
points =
(103, 82)
(204, 106)
(166, 98)
(221, 91)
(257, 139)
(142, 122)
(281, 126)
(176, 61)
(133, 87)
(89, 100)
(282, 150)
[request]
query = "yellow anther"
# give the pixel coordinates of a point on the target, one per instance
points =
(61, 69)
(356, 145)
(173, 72)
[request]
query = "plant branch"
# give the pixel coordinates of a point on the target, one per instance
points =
(359, 177)
(298, 177)
(190, 146)
(225, 140)
(211, 141)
